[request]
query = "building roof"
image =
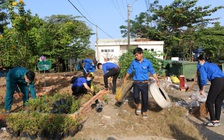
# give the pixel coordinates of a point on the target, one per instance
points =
(122, 41)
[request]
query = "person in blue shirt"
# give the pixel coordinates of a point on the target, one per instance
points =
(141, 66)
(110, 70)
(198, 73)
(81, 85)
(88, 66)
(19, 80)
(215, 96)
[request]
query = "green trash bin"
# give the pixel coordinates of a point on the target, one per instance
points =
(167, 64)
(221, 66)
(186, 68)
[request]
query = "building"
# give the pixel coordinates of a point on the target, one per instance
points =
(112, 49)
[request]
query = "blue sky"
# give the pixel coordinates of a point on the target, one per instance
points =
(108, 15)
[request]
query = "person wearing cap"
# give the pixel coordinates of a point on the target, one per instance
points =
(110, 70)
(141, 66)
(88, 66)
(19, 81)
(215, 96)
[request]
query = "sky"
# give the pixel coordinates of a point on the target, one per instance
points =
(108, 15)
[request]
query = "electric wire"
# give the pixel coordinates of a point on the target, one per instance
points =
(84, 10)
(88, 19)
(117, 9)
(125, 10)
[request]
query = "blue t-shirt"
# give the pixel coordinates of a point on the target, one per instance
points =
(79, 82)
(141, 69)
(108, 66)
(209, 71)
(89, 66)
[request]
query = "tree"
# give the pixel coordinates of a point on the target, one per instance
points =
(176, 24)
(69, 36)
(30, 37)
(3, 15)
(211, 40)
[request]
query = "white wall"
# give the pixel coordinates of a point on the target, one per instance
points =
(114, 48)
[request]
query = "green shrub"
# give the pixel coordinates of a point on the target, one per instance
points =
(53, 104)
(126, 59)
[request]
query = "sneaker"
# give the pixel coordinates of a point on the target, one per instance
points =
(7, 111)
(144, 116)
(212, 124)
(138, 111)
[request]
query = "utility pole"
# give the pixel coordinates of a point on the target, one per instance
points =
(97, 51)
(128, 26)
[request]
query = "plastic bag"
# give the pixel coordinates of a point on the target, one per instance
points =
(198, 97)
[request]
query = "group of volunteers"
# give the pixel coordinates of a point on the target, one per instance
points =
(20, 80)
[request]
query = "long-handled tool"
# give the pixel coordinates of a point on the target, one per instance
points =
(192, 85)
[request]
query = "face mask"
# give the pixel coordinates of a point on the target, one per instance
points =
(88, 79)
(201, 64)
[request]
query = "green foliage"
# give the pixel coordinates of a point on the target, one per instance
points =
(47, 104)
(212, 40)
(34, 122)
(175, 24)
(126, 59)
(30, 37)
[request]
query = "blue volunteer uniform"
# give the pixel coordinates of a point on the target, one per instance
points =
(108, 66)
(89, 66)
(215, 96)
(141, 78)
(209, 71)
(15, 82)
(78, 87)
(79, 82)
(110, 70)
(141, 69)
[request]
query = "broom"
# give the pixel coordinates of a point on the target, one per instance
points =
(201, 111)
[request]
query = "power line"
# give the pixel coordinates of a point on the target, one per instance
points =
(84, 10)
(88, 19)
(117, 9)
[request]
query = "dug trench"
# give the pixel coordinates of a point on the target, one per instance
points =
(118, 121)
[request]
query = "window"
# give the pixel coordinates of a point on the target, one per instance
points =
(152, 50)
(102, 50)
(112, 50)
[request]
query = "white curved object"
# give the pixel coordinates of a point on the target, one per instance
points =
(159, 95)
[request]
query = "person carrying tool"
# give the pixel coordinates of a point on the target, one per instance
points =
(110, 70)
(81, 85)
(141, 66)
(88, 66)
(19, 80)
(215, 96)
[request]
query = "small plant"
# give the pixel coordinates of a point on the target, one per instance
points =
(105, 98)
(54, 104)
(71, 126)
(15, 124)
